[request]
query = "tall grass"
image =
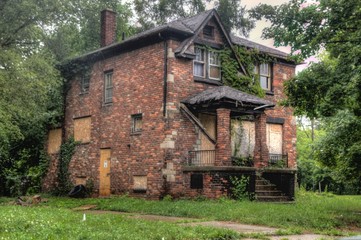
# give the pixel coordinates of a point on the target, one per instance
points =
(325, 213)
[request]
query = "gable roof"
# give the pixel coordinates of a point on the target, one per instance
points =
(188, 29)
(262, 48)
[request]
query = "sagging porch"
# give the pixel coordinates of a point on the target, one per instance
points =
(236, 135)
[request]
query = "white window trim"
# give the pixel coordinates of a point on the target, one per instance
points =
(213, 65)
(268, 76)
(200, 62)
(206, 64)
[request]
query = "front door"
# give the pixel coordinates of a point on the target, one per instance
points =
(104, 172)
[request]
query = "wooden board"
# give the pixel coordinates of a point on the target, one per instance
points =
(82, 129)
(104, 172)
(54, 140)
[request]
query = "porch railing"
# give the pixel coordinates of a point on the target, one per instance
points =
(201, 158)
(278, 160)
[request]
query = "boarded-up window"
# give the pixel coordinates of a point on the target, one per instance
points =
(54, 140)
(82, 129)
(197, 181)
(274, 138)
(243, 138)
(140, 183)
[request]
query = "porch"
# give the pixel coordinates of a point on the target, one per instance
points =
(253, 148)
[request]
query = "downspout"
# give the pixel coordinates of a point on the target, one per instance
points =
(165, 189)
(165, 73)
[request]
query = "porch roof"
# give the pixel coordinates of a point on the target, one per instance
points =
(227, 97)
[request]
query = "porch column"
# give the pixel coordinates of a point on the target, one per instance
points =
(223, 146)
(261, 153)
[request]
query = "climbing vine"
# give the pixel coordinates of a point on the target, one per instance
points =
(67, 150)
(231, 75)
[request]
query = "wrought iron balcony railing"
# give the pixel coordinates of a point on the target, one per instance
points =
(201, 158)
(278, 160)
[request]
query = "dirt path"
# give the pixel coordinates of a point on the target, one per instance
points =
(238, 227)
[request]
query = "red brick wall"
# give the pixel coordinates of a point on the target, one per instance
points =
(161, 149)
(135, 90)
(281, 73)
(107, 27)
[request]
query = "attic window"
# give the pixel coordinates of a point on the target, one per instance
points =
(208, 31)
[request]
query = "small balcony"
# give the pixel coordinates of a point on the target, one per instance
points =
(201, 158)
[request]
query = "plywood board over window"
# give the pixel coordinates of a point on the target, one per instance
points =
(82, 129)
(140, 182)
(274, 138)
(243, 138)
(54, 140)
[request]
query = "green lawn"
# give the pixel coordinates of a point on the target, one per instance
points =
(327, 214)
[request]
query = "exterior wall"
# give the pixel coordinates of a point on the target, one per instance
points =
(281, 73)
(135, 90)
(155, 156)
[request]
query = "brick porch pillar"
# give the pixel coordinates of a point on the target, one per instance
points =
(261, 153)
(223, 146)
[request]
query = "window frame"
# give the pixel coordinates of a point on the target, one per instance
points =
(108, 88)
(268, 76)
(200, 62)
(213, 65)
(85, 81)
(207, 63)
(134, 119)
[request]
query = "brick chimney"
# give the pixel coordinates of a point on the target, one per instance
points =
(107, 27)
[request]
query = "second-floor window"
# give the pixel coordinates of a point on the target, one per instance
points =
(85, 81)
(206, 64)
(263, 70)
(108, 87)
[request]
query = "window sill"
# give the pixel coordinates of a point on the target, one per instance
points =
(108, 104)
(83, 93)
(136, 133)
(208, 81)
(271, 93)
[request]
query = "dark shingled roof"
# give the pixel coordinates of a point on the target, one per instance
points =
(187, 27)
(225, 92)
(247, 43)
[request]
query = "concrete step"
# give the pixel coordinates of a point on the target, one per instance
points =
(269, 187)
(269, 193)
(272, 198)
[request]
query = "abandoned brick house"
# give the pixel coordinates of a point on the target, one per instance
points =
(153, 117)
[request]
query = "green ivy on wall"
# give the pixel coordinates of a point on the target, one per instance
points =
(231, 75)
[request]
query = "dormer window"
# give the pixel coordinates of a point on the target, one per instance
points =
(207, 64)
(208, 32)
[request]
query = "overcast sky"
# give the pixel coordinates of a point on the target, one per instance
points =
(255, 34)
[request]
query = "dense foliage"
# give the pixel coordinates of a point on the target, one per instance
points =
(231, 75)
(152, 13)
(35, 35)
(330, 89)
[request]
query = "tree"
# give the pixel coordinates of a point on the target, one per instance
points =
(155, 12)
(330, 89)
(35, 35)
